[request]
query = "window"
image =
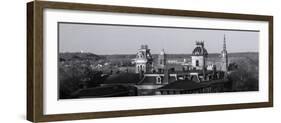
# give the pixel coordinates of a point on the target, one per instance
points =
(158, 80)
(143, 67)
(197, 63)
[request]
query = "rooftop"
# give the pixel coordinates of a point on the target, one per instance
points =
(183, 85)
(190, 85)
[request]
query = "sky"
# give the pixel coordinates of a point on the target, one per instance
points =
(124, 39)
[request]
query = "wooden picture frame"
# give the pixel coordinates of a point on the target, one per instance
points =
(35, 62)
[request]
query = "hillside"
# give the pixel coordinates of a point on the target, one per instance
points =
(79, 56)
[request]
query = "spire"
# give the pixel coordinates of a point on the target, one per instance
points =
(224, 58)
(224, 42)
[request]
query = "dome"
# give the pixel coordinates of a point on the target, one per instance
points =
(200, 51)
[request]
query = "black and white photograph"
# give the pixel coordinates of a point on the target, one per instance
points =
(113, 60)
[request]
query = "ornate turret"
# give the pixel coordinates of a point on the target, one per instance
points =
(224, 57)
(199, 56)
(143, 60)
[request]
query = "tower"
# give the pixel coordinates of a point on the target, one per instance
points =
(199, 56)
(162, 60)
(162, 68)
(143, 60)
(224, 57)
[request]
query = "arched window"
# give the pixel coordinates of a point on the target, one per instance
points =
(158, 80)
(197, 63)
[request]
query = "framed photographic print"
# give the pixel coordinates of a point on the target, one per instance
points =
(96, 61)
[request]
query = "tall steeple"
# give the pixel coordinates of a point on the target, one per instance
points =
(224, 57)
(224, 43)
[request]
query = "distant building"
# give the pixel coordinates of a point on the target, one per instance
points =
(175, 62)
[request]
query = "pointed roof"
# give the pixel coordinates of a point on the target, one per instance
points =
(224, 45)
(224, 42)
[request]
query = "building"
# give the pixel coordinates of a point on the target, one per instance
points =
(199, 56)
(162, 60)
(157, 77)
(161, 78)
(191, 87)
(143, 60)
